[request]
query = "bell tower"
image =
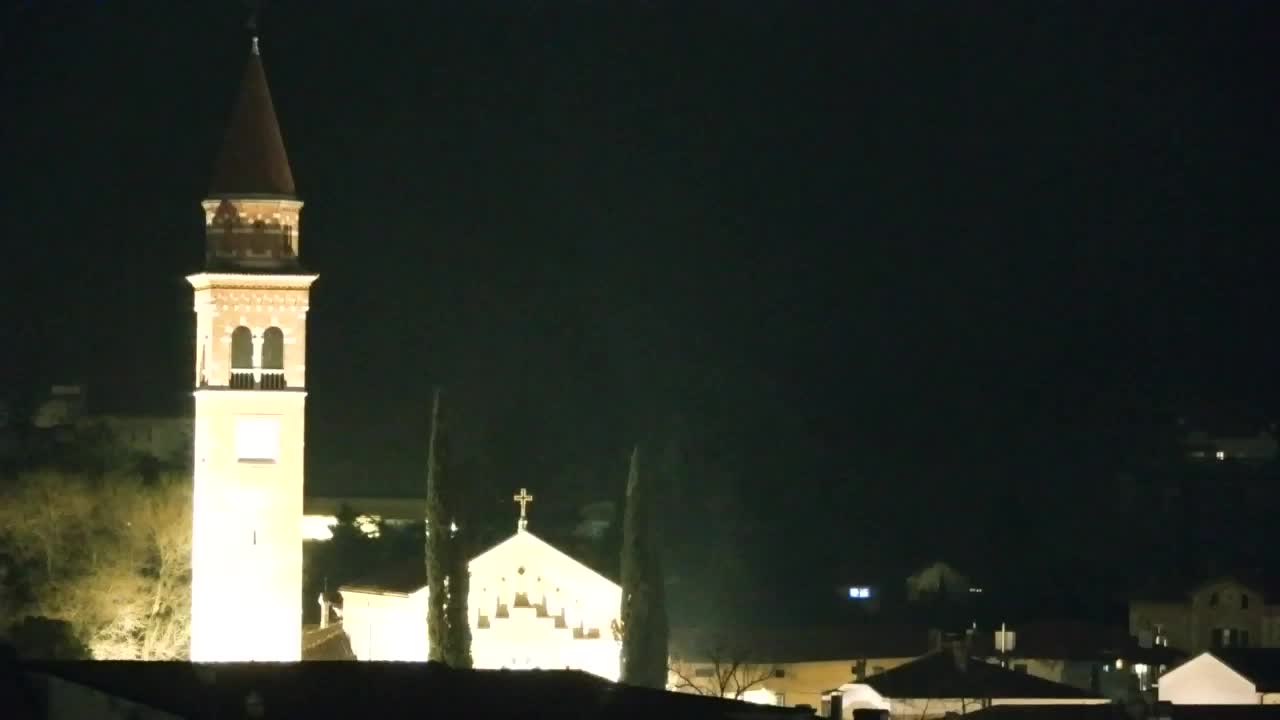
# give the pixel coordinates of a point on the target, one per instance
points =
(250, 390)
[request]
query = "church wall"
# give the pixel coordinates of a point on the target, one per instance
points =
(530, 606)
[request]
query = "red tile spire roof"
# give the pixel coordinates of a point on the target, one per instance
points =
(252, 161)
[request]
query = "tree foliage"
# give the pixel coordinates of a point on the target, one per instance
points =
(643, 627)
(448, 579)
(458, 639)
(109, 557)
(436, 545)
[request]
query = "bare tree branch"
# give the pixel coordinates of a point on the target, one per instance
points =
(729, 669)
(110, 557)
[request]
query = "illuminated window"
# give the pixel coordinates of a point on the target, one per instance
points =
(859, 593)
(258, 439)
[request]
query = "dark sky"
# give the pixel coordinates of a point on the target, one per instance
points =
(876, 265)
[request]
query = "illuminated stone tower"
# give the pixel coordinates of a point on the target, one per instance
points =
(250, 376)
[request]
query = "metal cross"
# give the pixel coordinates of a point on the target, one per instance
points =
(524, 498)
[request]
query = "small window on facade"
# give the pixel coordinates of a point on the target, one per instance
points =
(257, 439)
(779, 672)
(1213, 600)
(1244, 601)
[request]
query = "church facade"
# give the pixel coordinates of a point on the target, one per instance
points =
(251, 303)
(530, 606)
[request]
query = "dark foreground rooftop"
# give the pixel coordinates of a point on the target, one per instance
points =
(359, 689)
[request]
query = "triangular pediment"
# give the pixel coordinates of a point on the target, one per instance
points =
(525, 554)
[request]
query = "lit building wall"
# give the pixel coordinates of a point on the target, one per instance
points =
(246, 602)
(1206, 680)
(530, 606)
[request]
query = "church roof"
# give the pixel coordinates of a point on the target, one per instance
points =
(253, 160)
(409, 575)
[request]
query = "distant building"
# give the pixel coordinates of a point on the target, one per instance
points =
(61, 408)
(1222, 613)
(940, 580)
(1090, 656)
(792, 666)
(1248, 445)
(165, 439)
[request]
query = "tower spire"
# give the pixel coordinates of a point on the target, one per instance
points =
(253, 160)
(252, 25)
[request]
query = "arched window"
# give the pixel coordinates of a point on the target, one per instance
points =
(241, 348)
(242, 358)
(273, 349)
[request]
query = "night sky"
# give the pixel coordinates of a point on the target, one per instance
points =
(887, 274)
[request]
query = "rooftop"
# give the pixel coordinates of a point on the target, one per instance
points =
(359, 689)
(941, 674)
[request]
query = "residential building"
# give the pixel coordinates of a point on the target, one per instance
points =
(1099, 658)
(1223, 613)
(789, 666)
(949, 681)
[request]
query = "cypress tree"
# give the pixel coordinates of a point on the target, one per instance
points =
(644, 613)
(458, 644)
(448, 579)
(436, 547)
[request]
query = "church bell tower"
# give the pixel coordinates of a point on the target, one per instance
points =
(250, 388)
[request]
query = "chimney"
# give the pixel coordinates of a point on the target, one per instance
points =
(837, 705)
(254, 707)
(324, 611)
(960, 654)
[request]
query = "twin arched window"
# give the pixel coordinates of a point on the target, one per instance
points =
(242, 349)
